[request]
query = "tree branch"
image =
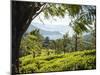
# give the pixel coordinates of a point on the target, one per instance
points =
(38, 12)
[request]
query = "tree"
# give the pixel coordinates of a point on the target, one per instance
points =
(65, 42)
(22, 15)
(93, 39)
(80, 43)
(76, 38)
(59, 46)
(53, 45)
(31, 43)
(46, 43)
(81, 23)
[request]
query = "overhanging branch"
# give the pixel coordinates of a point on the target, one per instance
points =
(38, 12)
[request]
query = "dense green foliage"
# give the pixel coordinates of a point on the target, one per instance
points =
(31, 43)
(80, 60)
(45, 55)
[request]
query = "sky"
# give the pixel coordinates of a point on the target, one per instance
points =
(54, 23)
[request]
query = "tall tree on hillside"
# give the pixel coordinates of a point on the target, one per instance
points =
(76, 38)
(80, 43)
(65, 42)
(46, 43)
(93, 39)
(54, 45)
(83, 21)
(59, 46)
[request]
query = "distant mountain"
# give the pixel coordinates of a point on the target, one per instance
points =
(51, 34)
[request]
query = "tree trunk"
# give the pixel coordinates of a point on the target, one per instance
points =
(33, 54)
(95, 34)
(48, 52)
(76, 42)
(64, 51)
(64, 48)
(22, 13)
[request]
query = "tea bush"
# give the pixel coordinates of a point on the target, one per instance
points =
(80, 60)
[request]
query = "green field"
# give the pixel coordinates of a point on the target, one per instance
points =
(79, 60)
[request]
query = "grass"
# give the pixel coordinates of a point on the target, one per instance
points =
(80, 60)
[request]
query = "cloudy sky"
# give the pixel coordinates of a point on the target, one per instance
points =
(53, 23)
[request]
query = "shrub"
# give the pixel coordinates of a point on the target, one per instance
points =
(80, 60)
